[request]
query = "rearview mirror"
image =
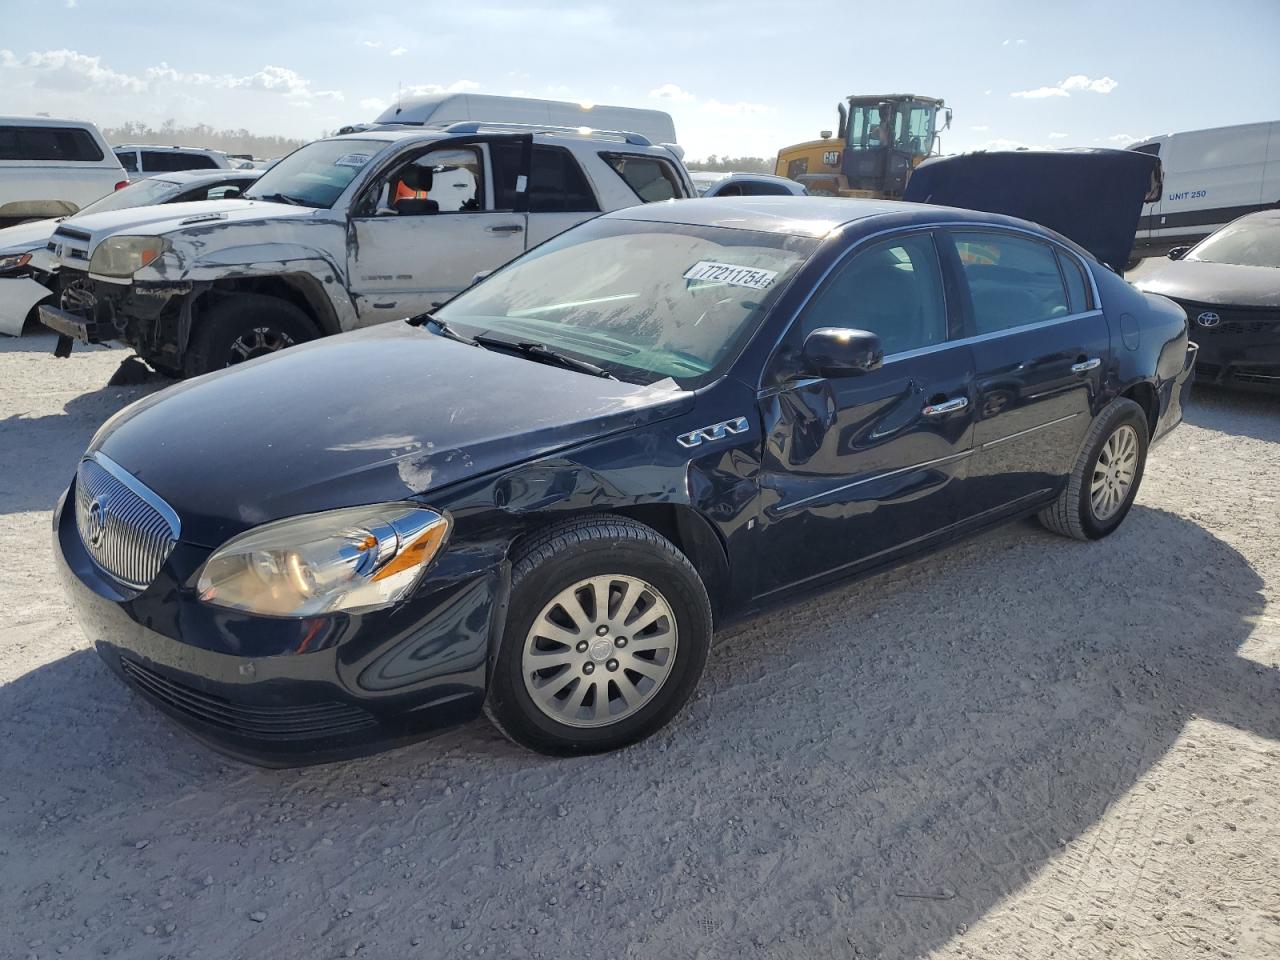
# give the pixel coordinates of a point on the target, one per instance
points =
(842, 352)
(1177, 253)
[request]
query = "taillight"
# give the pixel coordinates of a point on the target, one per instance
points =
(122, 184)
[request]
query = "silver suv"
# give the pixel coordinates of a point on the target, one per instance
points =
(344, 232)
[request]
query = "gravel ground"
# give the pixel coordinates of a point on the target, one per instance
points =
(1022, 747)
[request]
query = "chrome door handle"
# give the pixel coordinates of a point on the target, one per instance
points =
(1084, 366)
(947, 406)
(506, 228)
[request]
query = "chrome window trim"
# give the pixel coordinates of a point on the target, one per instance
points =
(949, 458)
(921, 351)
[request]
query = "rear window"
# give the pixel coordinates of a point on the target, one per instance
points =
(68, 144)
(171, 161)
(128, 159)
(650, 178)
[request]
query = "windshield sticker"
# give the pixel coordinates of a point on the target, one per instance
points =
(356, 160)
(712, 272)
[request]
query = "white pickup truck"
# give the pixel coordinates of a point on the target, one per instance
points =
(52, 168)
(344, 232)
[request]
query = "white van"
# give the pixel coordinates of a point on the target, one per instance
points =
(52, 168)
(441, 109)
(1210, 178)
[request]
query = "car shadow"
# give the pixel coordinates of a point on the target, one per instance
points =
(49, 447)
(1235, 412)
(871, 770)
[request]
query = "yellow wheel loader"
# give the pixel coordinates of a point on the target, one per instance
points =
(880, 140)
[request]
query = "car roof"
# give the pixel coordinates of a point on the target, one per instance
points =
(394, 133)
(799, 216)
(165, 146)
(20, 121)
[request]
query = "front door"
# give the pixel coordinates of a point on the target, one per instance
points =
(1041, 349)
(858, 468)
(425, 229)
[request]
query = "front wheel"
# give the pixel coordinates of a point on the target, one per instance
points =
(243, 327)
(606, 637)
(1106, 475)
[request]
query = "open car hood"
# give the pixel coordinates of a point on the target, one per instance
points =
(1093, 197)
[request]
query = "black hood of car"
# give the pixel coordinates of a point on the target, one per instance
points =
(1093, 197)
(1222, 284)
(377, 415)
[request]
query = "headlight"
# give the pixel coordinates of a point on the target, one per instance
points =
(351, 559)
(14, 262)
(125, 256)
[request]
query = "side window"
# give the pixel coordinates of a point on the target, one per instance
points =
(650, 178)
(197, 161)
(729, 190)
(756, 188)
(1077, 285)
(893, 289)
(557, 185)
(1013, 281)
(129, 160)
(70, 144)
(221, 190)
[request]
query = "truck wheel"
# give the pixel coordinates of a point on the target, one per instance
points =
(607, 633)
(1105, 478)
(242, 327)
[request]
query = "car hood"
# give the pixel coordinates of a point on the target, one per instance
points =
(168, 218)
(1228, 284)
(1091, 196)
(26, 236)
(381, 414)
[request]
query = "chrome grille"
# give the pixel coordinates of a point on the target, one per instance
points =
(127, 530)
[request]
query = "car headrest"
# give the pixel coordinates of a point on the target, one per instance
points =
(416, 177)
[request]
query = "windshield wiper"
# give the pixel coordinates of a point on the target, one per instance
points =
(544, 354)
(282, 198)
(423, 319)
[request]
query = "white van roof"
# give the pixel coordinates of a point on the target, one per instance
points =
(440, 109)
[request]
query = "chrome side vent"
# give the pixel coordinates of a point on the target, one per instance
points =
(127, 530)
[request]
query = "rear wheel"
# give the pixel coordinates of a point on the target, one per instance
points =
(607, 634)
(243, 327)
(1105, 478)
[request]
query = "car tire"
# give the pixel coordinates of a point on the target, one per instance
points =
(644, 576)
(1112, 456)
(241, 327)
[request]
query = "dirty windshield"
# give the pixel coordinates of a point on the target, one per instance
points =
(645, 301)
(1249, 243)
(315, 175)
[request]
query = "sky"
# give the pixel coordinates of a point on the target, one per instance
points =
(740, 79)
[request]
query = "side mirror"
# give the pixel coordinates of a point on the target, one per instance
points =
(1177, 253)
(842, 352)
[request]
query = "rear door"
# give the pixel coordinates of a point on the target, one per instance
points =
(407, 258)
(1041, 348)
(559, 194)
(856, 468)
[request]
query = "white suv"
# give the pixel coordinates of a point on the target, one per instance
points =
(344, 232)
(52, 168)
(145, 159)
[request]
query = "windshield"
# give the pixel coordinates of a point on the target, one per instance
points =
(645, 301)
(315, 175)
(1249, 243)
(138, 194)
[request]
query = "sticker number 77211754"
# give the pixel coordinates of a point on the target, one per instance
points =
(710, 271)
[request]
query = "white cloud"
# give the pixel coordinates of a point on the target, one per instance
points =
(1017, 43)
(425, 89)
(398, 52)
(371, 44)
(740, 109)
(980, 128)
(373, 105)
(1054, 135)
(1076, 82)
(1124, 138)
(669, 91)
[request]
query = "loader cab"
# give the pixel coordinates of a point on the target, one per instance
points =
(884, 139)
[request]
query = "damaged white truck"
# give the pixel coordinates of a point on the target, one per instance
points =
(344, 232)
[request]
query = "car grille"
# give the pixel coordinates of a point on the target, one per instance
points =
(127, 530)
(74, 244)
(306, 722)
(1232, 321)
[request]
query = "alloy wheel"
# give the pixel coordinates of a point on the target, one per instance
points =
(1113, 473)
(256, 343)
(599, 651)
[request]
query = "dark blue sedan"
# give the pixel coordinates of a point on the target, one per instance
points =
(540, 500)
